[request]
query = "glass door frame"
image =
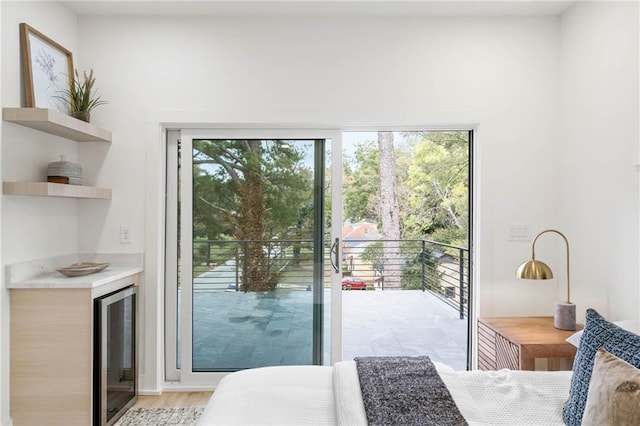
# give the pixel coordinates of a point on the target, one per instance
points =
(206, 379)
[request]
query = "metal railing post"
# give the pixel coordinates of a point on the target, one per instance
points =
(237, 258)
(461, 277)
(423, 263)
(245, 266)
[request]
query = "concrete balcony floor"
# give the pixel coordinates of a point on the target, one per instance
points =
(403, 322)
(234, 330)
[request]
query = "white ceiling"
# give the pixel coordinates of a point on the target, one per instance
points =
(418, 8)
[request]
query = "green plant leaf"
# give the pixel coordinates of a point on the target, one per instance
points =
(80, 96)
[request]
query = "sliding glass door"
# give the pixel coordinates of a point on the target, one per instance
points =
(253, 272)
(262, 263)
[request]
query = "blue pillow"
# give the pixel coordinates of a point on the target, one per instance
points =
(598, 333)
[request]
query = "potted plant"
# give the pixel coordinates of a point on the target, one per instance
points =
(81, 97)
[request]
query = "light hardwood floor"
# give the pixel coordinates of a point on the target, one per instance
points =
(174, 399)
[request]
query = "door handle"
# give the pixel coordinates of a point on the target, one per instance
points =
(335, 258)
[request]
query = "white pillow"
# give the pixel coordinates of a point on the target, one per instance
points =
(631, 325)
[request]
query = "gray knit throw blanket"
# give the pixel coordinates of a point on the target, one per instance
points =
(405, 391)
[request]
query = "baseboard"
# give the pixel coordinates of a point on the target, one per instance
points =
(149, 392)
(175, 387)
(178, 387)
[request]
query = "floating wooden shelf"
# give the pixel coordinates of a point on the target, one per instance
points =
(56, 123)
(47, 189)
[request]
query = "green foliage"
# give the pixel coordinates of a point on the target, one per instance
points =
(263, 190)
(373, 254)
(213, 253)
(80, 95)
(254, 190)
(438, 177)
(361, 185)
(288, 194)
(220, 171)
(432, 170)
(412, 267)
(412, 275)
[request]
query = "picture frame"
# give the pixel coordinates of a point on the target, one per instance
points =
(47, 70)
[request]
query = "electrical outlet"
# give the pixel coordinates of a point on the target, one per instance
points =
(126, 234)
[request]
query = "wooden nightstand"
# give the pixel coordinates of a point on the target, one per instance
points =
(516, 342)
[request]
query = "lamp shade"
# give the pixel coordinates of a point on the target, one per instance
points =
(534, 270)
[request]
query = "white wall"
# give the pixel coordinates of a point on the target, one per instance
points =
(599, 153)
(31, 227)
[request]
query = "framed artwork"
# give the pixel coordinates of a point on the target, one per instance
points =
(47, 69)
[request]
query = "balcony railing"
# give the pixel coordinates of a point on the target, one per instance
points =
(438, 268)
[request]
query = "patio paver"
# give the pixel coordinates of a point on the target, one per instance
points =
(243, 330)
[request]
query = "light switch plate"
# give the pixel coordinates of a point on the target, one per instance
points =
(519, 232)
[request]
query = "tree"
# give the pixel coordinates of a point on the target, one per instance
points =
(253, 191)
(432, 174)
(438, 177)
(361, 184)
(389, 210)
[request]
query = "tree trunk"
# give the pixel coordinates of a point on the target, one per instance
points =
(251, 220)
(389, 212)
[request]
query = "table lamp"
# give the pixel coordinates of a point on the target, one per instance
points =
(564, 317)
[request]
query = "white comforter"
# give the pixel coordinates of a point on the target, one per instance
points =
(314, 395)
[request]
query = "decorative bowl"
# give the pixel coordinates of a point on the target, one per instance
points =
(83, 268)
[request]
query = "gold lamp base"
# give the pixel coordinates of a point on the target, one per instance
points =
(564, 317)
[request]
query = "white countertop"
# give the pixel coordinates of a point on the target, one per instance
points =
(57, 280)
(42, 273)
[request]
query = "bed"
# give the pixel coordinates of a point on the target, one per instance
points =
(608, 357)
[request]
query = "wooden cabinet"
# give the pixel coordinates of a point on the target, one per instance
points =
(58, 124)
(516, 342)
(52, 354)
